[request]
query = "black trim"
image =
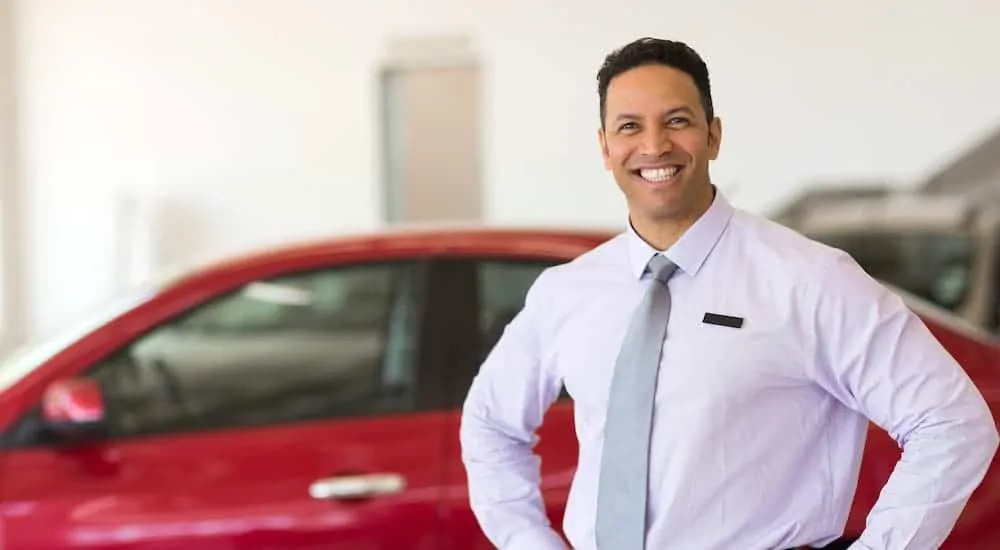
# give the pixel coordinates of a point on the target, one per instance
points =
(454, 328)
(722, 320)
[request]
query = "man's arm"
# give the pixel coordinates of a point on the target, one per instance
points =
(878, 357)
(506, 404)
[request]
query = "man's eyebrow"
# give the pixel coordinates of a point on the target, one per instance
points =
(668, 113)
(627, 116)
(678, 110)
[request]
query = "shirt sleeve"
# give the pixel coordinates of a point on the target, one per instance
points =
(506, 404)
(878, 358)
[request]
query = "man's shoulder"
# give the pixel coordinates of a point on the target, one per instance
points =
(612, 253)
(607, 258)
(786, 250)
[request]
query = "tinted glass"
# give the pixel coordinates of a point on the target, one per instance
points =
(330, 343)
(994, 283)
(503, 287)
(934, 266)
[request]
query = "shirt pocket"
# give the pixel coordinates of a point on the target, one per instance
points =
(727, 361)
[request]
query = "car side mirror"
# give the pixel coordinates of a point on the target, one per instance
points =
(74, 408)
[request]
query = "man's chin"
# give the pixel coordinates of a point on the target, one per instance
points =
(665, 211)
(657, 213)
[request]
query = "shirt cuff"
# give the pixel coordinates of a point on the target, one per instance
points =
(536, 539)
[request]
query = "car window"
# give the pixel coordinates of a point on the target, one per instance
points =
(503, 286)
(934, 266)
(993, 283)
(321, 344)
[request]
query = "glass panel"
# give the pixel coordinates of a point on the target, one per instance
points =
(934, 266)
(309, 345)
(503, 287)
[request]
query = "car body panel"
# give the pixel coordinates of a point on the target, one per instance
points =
(229, 489)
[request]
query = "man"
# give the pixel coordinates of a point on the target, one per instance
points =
(740, 423)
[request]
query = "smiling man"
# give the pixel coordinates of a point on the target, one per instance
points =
(723, 368)
(658, 135)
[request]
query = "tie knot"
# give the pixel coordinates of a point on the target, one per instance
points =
(661, 267)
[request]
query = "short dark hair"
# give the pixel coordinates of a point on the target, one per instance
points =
(656, 51)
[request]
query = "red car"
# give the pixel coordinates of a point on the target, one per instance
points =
(309, 397)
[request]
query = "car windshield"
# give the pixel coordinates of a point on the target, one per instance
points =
(936, 266)
(28, 357)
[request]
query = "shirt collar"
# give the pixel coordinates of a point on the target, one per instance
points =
(692, 248)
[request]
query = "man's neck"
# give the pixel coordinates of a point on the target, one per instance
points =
(663, 233)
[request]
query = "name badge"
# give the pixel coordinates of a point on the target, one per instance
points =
(722, 320)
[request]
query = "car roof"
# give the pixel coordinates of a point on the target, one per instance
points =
(401, 241)
(900, 211)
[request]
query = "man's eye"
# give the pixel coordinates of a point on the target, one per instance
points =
(628, 126)
(678, 121)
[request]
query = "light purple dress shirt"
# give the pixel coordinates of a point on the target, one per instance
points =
(758, 431)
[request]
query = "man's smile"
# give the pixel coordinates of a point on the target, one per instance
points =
(659, 176)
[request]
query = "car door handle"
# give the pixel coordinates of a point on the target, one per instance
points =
(354, 487)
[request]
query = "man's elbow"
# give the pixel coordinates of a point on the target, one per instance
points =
(982, 435)
(991, 438)
(984, 449)
(486, 438)
(473, 426)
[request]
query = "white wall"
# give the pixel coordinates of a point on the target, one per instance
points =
(254, 121)
(9, 331)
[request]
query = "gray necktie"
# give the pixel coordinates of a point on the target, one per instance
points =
(622, 488)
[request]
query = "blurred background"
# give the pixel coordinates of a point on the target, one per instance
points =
(136, 136)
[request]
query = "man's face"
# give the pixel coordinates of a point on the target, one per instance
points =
(657, 143)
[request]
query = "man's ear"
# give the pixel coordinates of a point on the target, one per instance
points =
(714, 137)
(602, 139)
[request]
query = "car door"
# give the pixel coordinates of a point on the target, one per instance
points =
(298, 412)
(494, 295)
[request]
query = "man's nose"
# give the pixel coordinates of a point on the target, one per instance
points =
(656, 141)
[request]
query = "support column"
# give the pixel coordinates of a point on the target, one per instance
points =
(12, 300)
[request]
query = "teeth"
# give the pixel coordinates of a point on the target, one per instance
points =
(658, 174)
